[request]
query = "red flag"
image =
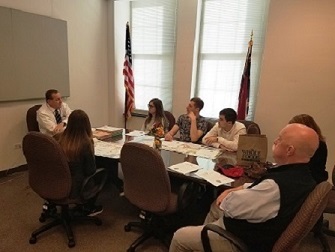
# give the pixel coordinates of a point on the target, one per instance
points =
(128, 78)
(243, 98)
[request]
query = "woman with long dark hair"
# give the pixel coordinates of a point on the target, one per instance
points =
(77, 144)
(156, 116)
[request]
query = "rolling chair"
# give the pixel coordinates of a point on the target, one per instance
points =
(322, 229)
(147, 186)
(171, 119)
(251, 127)
(299, 227)
(31, 120)
(50, 177)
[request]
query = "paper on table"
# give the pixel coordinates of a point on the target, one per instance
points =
(170, 145)
(184, 168)
(181, 147)
(147, 140)
(136, 133)
(207, 153)
(107, 149)
(213, 177)
(108, 128)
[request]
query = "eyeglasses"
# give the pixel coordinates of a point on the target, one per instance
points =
(150, 106)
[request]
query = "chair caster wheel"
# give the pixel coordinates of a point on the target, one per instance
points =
(98, 222)
(32, 240)
(71, 244)
(127, 228)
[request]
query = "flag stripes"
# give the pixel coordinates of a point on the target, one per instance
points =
(128, 78)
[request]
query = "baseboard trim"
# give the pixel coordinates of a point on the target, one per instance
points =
(20, 168)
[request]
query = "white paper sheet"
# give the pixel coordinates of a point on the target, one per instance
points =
(136, 133)
(208, 153)
(184, 168)
(213, 177)
(107, 149)
(147, 140)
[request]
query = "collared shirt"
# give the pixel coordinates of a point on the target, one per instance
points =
(46, 117)
(256, 204)
(229, 139)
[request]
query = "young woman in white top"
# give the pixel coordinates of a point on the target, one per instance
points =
(156, 116)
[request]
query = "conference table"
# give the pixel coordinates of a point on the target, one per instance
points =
(173, 153)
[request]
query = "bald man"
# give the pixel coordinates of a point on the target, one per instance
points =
(259, 212)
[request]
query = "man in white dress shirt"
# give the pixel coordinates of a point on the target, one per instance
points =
(53, 108)
(226, 131)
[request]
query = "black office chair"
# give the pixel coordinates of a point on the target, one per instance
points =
(147, 186)
(31, 120)
(171, 119)
(50, 178)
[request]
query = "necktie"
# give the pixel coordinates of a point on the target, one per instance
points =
(58, 117)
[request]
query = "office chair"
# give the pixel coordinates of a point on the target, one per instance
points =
(171, 119)
(31, 120)
(50, 177)
(299, 227)
(251, 127)
(321, 228)
(147, 186)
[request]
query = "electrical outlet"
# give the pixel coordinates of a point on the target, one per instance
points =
(17, 146)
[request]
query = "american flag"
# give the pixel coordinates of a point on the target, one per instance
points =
(128, 78)
(243, 98)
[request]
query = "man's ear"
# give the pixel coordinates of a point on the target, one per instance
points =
(290, 150)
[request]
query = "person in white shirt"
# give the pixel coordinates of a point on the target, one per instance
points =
(46, 115)
(226, 131)
(259, 212)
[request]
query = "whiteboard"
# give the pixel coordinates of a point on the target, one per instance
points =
(33, 55)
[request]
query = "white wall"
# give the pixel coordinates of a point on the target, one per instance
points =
(297, 74)
(87, 45)
(298, 70)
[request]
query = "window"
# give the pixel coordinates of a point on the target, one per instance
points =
(223, 44)
(153, 25)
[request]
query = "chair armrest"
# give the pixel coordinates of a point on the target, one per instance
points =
(238, 243)
(93, 184)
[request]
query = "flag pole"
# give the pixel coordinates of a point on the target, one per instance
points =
(125, 93)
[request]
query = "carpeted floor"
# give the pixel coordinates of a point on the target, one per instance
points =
(21, 208)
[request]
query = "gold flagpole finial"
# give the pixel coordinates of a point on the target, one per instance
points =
(251, 35)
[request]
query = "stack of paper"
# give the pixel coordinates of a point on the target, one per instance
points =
(111, 130)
